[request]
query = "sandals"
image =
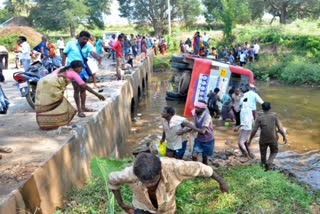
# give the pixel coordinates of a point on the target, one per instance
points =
(88, 110)
(5, 150)
(81, 114)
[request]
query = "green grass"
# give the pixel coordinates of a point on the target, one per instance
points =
(251, 190)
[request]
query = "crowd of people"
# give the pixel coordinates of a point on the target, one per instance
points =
(153, 180)
(76, 61)
(241, 54)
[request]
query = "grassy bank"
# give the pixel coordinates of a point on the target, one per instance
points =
(251, 190)
(289, 53)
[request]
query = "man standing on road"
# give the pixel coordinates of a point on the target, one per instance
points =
(4, 55)
(117, 47)
(111, 44)
(60, 44)
(172, 125)
(269, 124)
(25, 52)
(79, 50)
(154, 180)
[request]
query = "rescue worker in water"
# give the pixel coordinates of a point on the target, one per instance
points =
(153, 181)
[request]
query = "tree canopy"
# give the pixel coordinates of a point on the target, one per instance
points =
(292, 9)
(231, 12)
(155, 12)
(63, 14)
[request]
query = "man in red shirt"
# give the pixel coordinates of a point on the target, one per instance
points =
(117, 47)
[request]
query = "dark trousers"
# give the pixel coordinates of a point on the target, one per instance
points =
(237, 117)
(134, 50)
(4, 57)
(61, 51)
(263, 152)
(214, 112)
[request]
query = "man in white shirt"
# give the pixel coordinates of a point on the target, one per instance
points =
(60, 44)
(206, 39)
(253, 98)
(256, 49)
(243, 57)
(172, 125)
(25, 52)
(246, 123)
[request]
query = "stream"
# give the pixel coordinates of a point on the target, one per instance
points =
(297, 108)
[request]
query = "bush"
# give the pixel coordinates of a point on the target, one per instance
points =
(290, 68)
(9, 41)
(301, 72)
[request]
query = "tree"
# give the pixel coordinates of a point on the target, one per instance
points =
(155, 12)
(211, 5)
(230, 12)
(285, 9)
(5, 15)
(18, 7)
(96, 10)
(256, 9)
(64, 14)
(189, 10)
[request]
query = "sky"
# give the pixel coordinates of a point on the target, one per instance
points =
(113, 18)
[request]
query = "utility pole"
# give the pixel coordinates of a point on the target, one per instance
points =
(169, 17)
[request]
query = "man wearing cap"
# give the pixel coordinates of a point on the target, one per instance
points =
(252, 98)
(204, 142)
(269, 124)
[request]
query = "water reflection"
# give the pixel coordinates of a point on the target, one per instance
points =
(297, 108)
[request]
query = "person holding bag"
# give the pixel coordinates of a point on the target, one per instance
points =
(79, 50)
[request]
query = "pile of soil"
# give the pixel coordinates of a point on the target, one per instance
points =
(32, 35)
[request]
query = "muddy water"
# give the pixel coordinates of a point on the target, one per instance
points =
(297, 108)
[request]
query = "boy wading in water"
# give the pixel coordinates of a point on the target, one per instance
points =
(154, 180)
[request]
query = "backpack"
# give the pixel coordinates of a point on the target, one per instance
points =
(212, 101)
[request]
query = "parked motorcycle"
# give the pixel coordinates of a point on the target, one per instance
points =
(108, 51)
(52, 63)
(27, 81)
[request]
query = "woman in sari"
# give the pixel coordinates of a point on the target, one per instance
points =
(52, 108)
(144, 46)
(196, 43)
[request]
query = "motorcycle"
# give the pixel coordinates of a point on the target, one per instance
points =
(108, 51)
(51, 63)
(27, 81)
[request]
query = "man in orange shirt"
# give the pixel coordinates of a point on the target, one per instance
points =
(117, 47)
(51, 48)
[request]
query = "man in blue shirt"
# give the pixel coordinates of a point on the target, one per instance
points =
(71, 53)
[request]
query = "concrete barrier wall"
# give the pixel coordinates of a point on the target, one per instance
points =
(105, 134)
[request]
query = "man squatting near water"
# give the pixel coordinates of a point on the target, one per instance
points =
(154, 180)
